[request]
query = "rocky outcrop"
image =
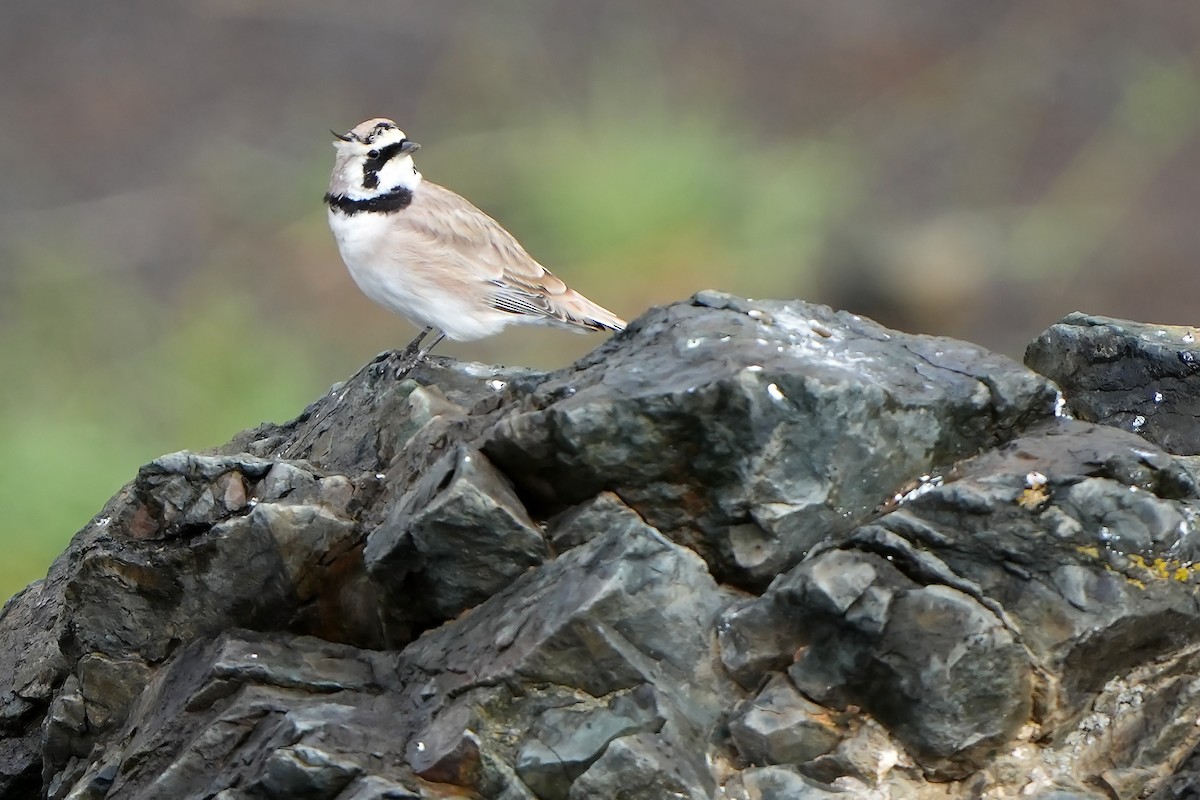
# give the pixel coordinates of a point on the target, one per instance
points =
(746, 550)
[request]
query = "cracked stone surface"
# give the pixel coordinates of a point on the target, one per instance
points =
(1132, 375)
(745, 550)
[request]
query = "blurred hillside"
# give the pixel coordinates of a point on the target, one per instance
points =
(166, 276)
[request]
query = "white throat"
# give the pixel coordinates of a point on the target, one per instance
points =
(398, 172)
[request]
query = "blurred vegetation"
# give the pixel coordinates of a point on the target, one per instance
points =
(167, 278)
(101, 376)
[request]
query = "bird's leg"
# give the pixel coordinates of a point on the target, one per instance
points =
(411, 347)
(425, 350)
(411, 356)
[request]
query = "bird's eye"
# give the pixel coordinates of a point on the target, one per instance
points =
(372, 154)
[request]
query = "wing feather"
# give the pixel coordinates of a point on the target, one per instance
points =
(483, 253)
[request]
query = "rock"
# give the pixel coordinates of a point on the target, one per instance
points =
(945, 617)
(735, 427)
(373, 788)
(583, 522)
(287, 716)
(596, 619)
(305, 773)
(135, 597)
(744, 550)
(779, 783)
(453, 541)
(65, 728)
(755, 639)
(781, 726)
(636, 768)
(867, 759)
(108, 687)
(1142, 378)
(566, 741)
(930, 662)
(596, 622)
(448, 750)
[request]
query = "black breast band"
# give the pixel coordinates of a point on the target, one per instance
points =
(394, 200)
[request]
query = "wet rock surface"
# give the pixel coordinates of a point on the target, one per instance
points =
(744, 550)
(1137, 376)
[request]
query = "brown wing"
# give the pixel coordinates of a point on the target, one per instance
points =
(461, 235)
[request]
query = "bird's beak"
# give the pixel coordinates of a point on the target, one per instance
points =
(345, 137)
(409, 147)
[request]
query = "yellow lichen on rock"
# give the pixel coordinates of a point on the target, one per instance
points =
(1166, 568)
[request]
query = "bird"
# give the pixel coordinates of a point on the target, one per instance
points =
(429, 255)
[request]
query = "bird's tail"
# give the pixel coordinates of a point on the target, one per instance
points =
(583, 315)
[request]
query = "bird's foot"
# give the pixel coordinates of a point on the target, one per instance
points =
(411, 356)
(407, 362)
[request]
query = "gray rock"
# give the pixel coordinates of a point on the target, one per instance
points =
(597, 619)
(636, 768)
(284, 716)
(932, 663)
(755, 639)
(97, 785)
(945, 617)
(782, 726)
(448, 750)
(108, 687)
(374, 788)
(66, 731)
(459, 536)
(566, 741)
(587, 520)
(738, 533)
(134, 597)
(373, 424)
(867, 756)
(1090, 569)
(300, 772)
(949, 679)
(750, 431)
(628, 610)
(779, 783)
(1138, 377)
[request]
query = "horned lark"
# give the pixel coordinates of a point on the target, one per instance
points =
(427, 254)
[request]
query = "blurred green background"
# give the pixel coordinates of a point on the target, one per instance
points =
(975, 170)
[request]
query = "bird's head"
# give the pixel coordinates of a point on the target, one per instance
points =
(373, 158)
